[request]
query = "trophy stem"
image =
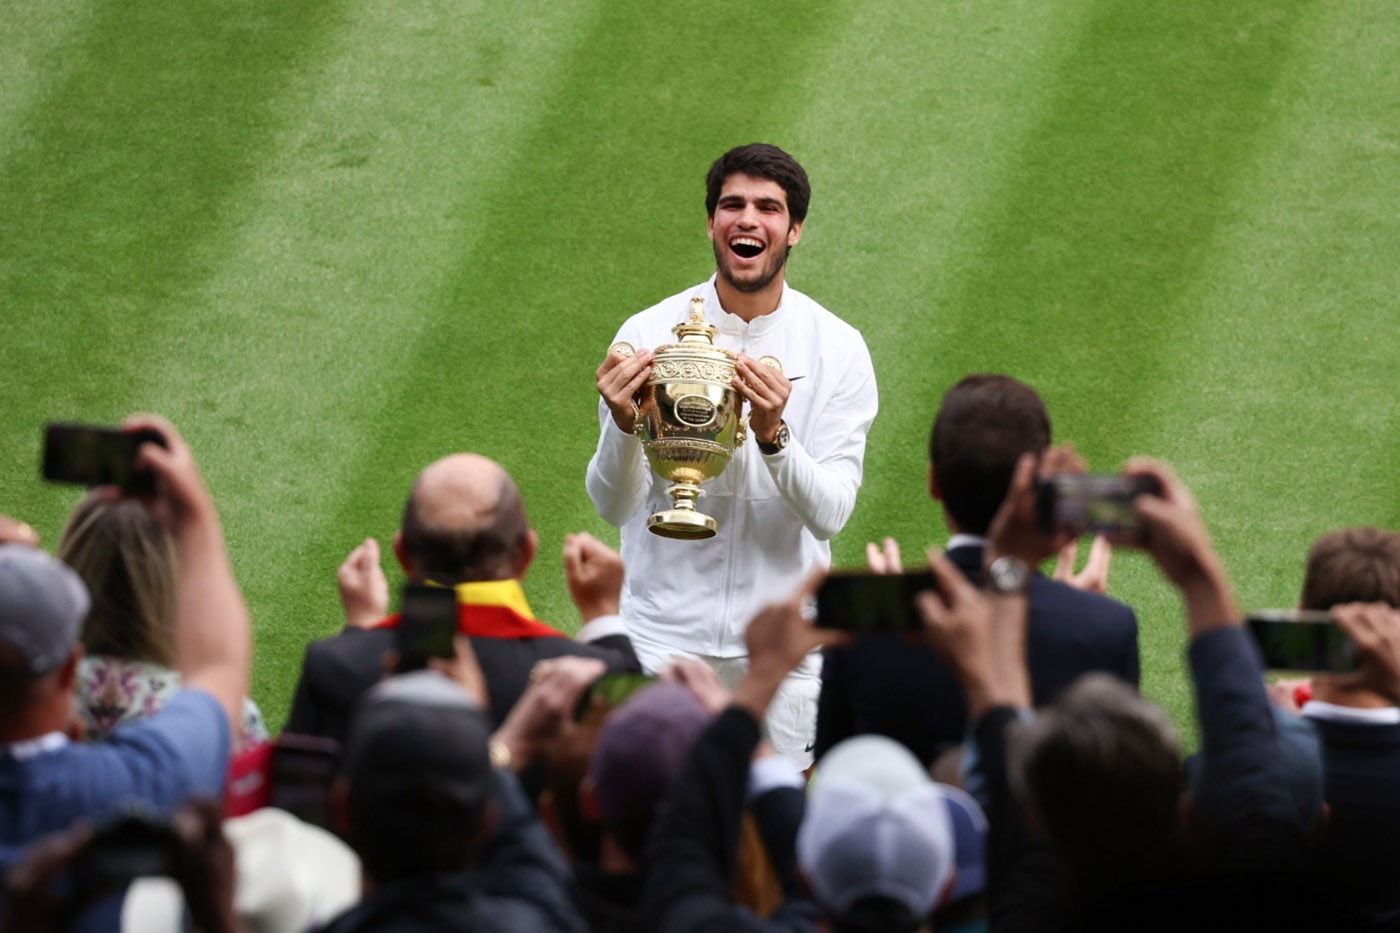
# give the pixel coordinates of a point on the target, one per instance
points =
(684, 522)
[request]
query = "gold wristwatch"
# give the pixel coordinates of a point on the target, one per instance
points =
(780, 440)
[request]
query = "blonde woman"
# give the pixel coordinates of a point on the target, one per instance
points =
(128, 562)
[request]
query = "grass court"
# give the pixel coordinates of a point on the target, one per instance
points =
(336, 240)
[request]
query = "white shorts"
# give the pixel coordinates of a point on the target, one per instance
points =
(791, 723)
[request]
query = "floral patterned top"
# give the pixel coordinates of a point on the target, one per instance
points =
(112, 691)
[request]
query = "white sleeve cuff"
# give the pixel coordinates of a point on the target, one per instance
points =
(601, 627)
(771, 772)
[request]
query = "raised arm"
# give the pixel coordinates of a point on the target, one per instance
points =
(213, 634)
(1243, 802)
(691, 855)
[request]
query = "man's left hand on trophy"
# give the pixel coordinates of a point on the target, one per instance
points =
(767, 391)
(620, 378)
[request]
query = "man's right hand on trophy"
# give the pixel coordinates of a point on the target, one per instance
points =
(620, 378)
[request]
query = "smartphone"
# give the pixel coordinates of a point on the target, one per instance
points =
(134, 845)
(872, 602)
(96, 456)
(427, 626)
(1301, 640)
(611, 691)
(1091, 504)
(300, 775)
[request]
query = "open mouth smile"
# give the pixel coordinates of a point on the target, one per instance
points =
(746, 247)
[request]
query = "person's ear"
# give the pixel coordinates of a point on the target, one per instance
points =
(404, 558)
(526, 555)
(794, 234)
(934, 492)
(68, 670)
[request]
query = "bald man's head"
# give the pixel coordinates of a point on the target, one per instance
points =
(465, 521)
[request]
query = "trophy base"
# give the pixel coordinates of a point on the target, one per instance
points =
(683, 524)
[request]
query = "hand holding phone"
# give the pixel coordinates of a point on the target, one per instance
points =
(1099, 504)
(610, 691)
(427, 626)
(871, 602)
(88, 455)
(1301, 640)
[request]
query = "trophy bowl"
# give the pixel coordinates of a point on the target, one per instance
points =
(689, 421)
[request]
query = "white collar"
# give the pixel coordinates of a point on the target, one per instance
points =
(733, 324)
(33, 748)
(963, 540)
(1331, 712)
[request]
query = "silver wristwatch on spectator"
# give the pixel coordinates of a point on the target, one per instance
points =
(1007, 576)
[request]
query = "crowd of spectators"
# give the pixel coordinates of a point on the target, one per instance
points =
(994, 769)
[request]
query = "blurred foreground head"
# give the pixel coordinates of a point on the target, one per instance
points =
(878, 844)
(42, 606)
(642, 747)
(418, 791)
(1100, 772)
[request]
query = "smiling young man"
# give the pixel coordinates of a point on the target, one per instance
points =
(789, 489)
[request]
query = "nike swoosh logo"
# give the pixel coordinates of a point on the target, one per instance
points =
(794, 379)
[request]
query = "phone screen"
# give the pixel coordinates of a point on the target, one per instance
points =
(870, 602)
(95, 456)
(1093, 504)
(427, 626)
(1301, 640)
(611, 691)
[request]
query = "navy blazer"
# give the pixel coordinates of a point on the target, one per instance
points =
(884, 685)
(1359, 857)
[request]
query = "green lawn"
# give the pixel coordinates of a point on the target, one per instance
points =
(334, 241)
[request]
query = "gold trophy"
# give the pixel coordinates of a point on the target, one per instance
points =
(688, 419)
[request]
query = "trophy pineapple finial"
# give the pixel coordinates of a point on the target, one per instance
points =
(696, 329)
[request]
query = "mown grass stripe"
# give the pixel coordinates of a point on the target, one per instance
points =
(601, 214)
(333, 276)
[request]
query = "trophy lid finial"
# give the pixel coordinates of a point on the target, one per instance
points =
(697, 329)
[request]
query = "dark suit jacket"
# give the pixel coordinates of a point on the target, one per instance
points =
(690, 857)
(1359, 858)
(336, 670)
(884, 685)
(1245, 868)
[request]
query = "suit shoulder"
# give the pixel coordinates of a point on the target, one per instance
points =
(348, 645)
(1064, 597)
